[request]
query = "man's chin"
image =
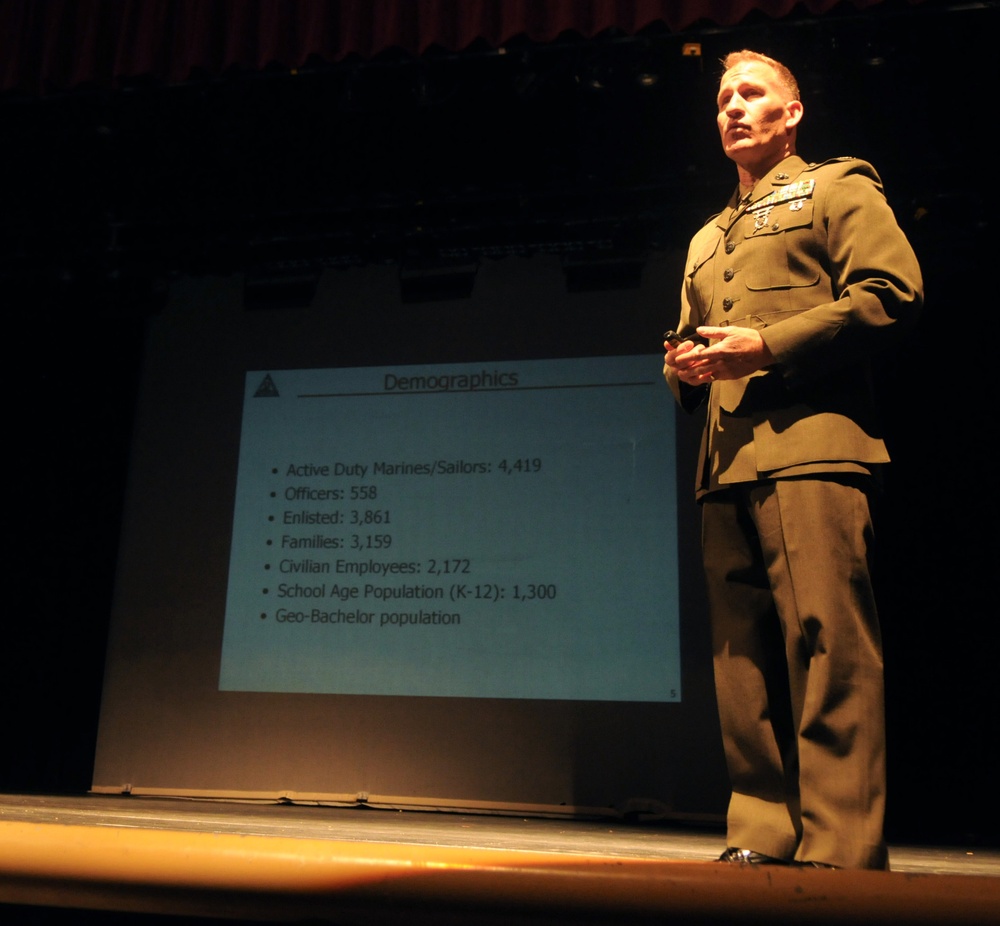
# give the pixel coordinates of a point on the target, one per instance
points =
(738, 144)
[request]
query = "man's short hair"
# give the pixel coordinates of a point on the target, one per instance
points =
(785, 76)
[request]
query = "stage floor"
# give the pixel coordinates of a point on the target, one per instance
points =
(157, 857)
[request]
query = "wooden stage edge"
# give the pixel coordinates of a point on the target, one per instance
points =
(246, 871)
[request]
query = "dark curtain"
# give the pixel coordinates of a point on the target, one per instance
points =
(53, 45)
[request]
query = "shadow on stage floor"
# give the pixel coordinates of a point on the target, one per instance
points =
(93, 859)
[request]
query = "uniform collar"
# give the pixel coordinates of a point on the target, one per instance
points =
(783, 173)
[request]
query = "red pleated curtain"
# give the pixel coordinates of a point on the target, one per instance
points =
(55, 45)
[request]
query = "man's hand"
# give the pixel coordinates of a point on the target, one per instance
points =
(734, 353)
(683, 360)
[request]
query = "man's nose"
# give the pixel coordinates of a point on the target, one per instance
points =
(735, 105)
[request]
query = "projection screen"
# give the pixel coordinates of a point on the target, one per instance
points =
(435, 553)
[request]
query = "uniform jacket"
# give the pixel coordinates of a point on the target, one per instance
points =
(817, 262)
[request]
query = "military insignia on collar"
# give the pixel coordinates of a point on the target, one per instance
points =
(801, 190)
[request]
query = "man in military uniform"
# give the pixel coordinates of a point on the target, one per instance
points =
(794, 286)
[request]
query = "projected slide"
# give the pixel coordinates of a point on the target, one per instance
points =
(486, 530)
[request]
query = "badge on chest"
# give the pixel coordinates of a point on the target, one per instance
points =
(789, 206)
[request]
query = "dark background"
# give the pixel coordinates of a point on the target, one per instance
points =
(598, 149)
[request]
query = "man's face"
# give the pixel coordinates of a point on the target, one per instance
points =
(756, 120)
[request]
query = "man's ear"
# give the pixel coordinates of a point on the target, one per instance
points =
(795, 110)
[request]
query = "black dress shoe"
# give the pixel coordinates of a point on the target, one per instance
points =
(748, 857)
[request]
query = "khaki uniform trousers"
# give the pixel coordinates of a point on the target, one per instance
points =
(798, 668)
